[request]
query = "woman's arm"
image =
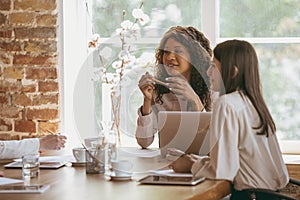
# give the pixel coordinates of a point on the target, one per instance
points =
(18, 148)
(146, 128)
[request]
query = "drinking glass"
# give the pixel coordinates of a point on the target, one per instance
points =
(95, 160)
(30, 168)
(110, 135)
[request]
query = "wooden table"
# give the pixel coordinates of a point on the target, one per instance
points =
(72, 183)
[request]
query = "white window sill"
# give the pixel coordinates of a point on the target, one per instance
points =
(290, 147)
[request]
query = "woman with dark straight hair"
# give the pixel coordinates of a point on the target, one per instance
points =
(244, 146)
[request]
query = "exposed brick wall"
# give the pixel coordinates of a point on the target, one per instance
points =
(29, 87)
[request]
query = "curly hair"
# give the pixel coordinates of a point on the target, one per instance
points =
(199, 49)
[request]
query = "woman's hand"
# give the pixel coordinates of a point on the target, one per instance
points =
(182, 88)
(183, 164)
(146, 85)
(52, 142)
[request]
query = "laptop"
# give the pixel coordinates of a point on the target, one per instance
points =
(186, 131)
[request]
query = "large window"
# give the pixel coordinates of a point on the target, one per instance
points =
(108, 14)
(274, 29)
(272, 26)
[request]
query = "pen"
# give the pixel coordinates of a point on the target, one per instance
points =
(175, 152)
(160, 82)
(52, 132)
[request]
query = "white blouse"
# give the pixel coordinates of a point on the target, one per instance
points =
(17, 148)
(237, 153)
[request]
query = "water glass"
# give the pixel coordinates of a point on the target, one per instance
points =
(95, 160)
(110, 139)
(111, 149)
(30, 166)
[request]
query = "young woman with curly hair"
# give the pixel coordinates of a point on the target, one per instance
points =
(180, 82)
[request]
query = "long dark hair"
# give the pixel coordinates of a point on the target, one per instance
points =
(241, 55)
(200, 52)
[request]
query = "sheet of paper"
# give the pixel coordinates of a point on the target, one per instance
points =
(170, 172)
(23, 188)
(66, 158)
(4, 181)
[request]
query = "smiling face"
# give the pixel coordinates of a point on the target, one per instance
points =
(176, 59)
(214, 73)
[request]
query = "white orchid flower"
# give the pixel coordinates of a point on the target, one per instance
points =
(123, 54)
(119, 71)
(106, 53)
(118, 31)
(137, 13)
(144, 19)
(126, 24)
(129, 61)
(117, 64)
(96, 36)
(116, 78)
(109, 77)
(135, 31)
(135, 27)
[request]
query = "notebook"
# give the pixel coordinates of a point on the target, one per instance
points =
(186, 131)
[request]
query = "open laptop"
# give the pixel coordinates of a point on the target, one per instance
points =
(186, 131)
